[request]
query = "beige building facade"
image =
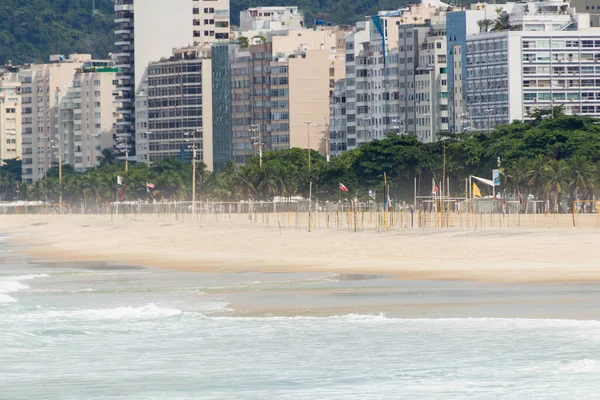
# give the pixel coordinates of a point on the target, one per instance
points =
(39, 86)
(86, 115)
(10, 115)
(278, 92)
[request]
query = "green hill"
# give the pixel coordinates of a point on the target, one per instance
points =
(33, 29)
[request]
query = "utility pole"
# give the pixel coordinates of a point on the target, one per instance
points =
(309, 177)
(194, 182)
(60, 201)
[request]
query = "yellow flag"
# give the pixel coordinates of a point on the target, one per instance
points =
(476, 192)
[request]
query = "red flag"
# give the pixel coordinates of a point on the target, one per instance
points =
(343, 188)
(435, 189)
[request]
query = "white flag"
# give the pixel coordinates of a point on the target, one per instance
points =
(119, 180)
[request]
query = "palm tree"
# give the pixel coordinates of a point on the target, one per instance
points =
(502, 23)
(246, 180)
(517, 173)
(556, 180)
(108, 157)
(536, 174)
(484, 24)
(582, 176)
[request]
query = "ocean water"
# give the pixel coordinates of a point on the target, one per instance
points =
(101, 331)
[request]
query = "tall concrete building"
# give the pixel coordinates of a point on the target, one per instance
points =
(266, 94)
(551, 60)
(591, 7)
(147, 31)
(86, 115)
(395, 78)
(39, 86)
(431, 86)
(461, 24)
(10, 114)
(261, 19)
(179, 108)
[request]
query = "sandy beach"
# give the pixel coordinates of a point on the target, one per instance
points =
(488, 255)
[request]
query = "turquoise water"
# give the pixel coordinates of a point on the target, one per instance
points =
(110, 332)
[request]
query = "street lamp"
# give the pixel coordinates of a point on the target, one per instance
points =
(489, 114)
(325, 138)
(59, 154)
(194, 147)
(309, 177)
(256, 141)
(122, 144)
(148, 147)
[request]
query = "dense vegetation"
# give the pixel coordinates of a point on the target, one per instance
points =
(33, 29)
(554, 158)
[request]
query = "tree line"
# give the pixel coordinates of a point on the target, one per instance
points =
(554, 157)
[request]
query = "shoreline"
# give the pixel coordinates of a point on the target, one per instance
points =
(506, 256)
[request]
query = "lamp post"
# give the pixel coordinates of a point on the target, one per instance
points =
(489, 114)
(257, 141)
(122, 143)
(194, 148)
(148, 147)
(193, 180)
(59, 155)
(309, 177)
(325, 138)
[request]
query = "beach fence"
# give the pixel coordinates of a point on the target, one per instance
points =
(298, 215)
(301, 215)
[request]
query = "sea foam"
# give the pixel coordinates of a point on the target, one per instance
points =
(147, 312)
(11, 284)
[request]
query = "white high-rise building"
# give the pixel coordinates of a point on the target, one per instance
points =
(10, 114)
(390, 60)
(39, 86)
(148, 31)
(271, 19)
(552, 60)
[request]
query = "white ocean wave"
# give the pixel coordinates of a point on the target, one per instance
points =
(27, 277)
(4, 299)
(581, 366)
(149, 311)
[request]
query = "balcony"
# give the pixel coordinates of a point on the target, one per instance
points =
(123, 7)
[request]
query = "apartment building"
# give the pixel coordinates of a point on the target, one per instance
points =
(591, 7)
(179, 107)
(459, 25)
(39, 86)
(390, 59)
(260, 19)
(10, 114)
(149, 30)
(86, 115)
(431, 85)
(279, 92)
(553, 60)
